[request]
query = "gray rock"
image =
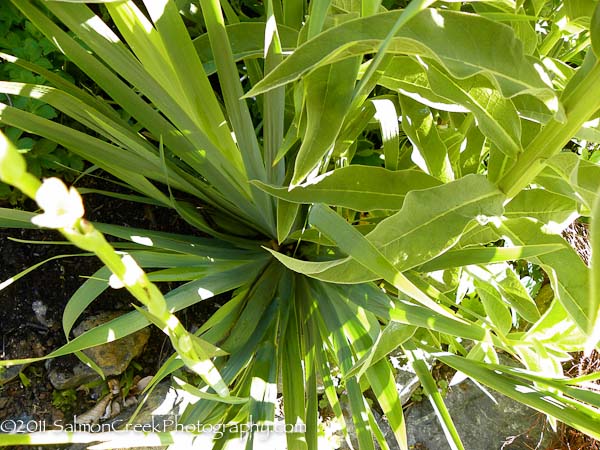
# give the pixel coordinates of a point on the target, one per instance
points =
(159, 413)
(406, 384)
(481, 423)
(68, 372)
(9, 373)
(162, 408)
(388, 434)
(406, 379)
(113, 357)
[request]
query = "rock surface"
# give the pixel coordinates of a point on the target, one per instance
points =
(481, 423)
(113, 357)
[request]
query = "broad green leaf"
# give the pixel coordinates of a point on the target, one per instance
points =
(578, 14)
(556, 330)
(560, 175)
(421, 129)
(499, 163)
(590, 131)
(473, 152)
(594, 291)
(406, 76)
(414, 235)
(568, 274)
(364, 252)
(328, 92)
(495, 308)
(526, 33)
(544, 206)
(310, 268)
(478, 234)
(515, 294)
(580, 101)
(537, 358)
(569, 175)
(474, 42)
(496, 117)
(485, 255)
(346, 6)
(356, 123)
(313, 235)
(362, 188)
(500, 282)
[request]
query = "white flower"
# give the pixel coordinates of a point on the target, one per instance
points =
(62, 207)
(133, 274)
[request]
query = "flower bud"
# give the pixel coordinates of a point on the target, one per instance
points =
(133, 274)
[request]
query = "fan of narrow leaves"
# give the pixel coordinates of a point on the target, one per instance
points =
(370, 179)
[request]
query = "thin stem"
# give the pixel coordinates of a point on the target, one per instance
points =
(579, 104)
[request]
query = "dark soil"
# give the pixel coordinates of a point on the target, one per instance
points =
(24, 334)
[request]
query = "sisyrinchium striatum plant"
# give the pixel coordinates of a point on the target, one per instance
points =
(366, 174)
